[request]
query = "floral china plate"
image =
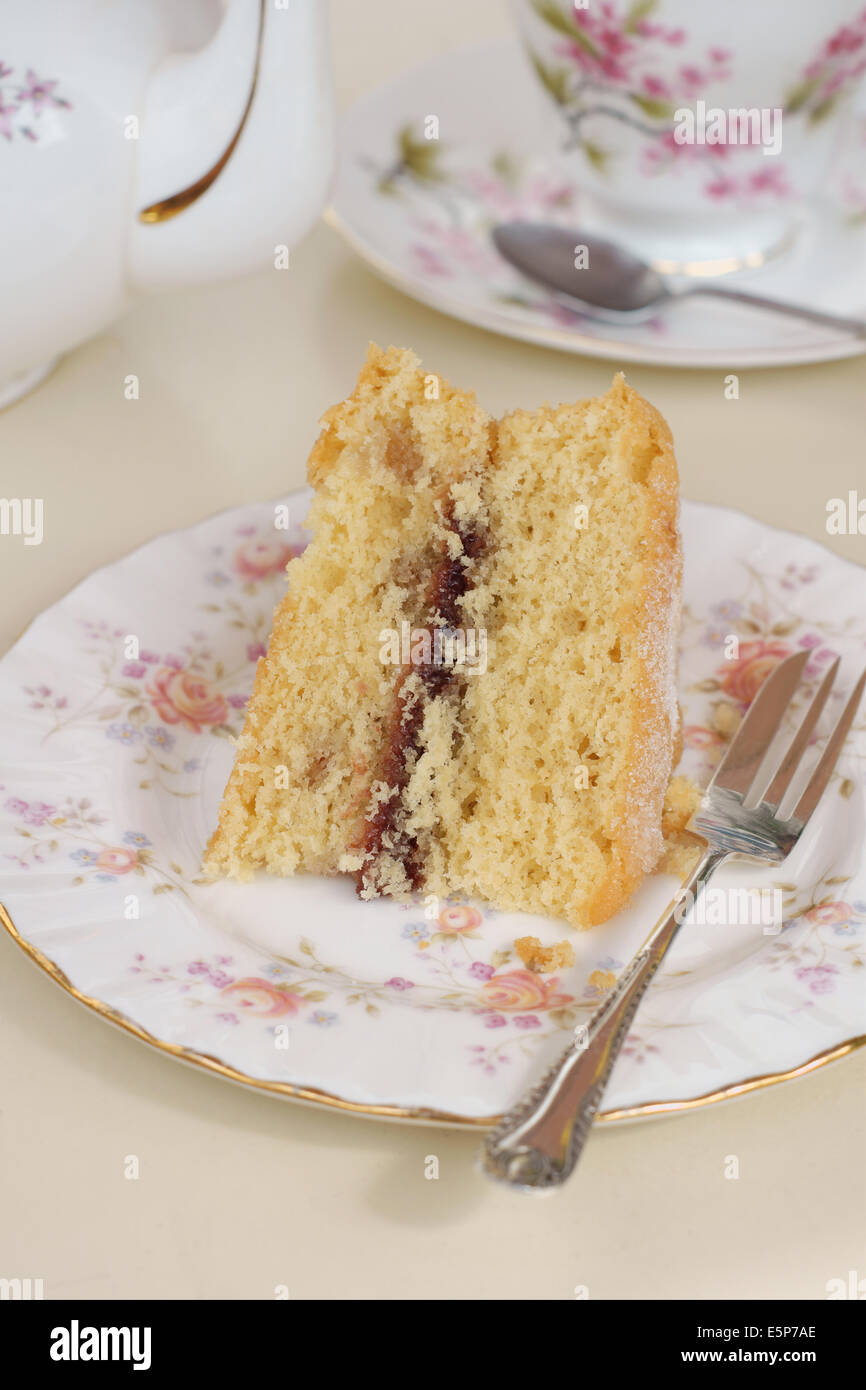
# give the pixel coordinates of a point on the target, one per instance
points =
(119, 705)
(420, 212)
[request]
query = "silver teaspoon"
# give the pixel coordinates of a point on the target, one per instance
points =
(614, 285)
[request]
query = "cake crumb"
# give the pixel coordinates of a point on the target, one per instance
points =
(543, 959)
(682, 799)
(726, 719)
(681, 850)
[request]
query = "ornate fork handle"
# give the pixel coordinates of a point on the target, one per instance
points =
(537, 1144)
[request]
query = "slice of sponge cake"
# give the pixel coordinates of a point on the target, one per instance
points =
(397, 470)
(470, 687)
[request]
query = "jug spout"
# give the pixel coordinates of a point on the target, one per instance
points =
(236, 146)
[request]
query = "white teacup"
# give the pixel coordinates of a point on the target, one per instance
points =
(698, 130)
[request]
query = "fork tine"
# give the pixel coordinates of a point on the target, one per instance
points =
(821, 776)
(737, 769)
(776, 791)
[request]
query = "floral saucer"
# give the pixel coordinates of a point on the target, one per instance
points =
(119, 704)
(420, 211)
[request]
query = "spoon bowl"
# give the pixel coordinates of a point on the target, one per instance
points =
(604, 281)
(601, 275)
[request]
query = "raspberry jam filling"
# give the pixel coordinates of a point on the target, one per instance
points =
(386, 831)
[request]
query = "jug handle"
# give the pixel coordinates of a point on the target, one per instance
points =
(165, 208)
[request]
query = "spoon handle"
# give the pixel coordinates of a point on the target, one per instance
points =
(778, 306)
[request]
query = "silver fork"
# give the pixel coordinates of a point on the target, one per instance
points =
(537, 1144)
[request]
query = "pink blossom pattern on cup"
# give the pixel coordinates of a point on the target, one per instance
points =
(620, 63)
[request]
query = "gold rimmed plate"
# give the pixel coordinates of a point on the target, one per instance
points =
(119, 704)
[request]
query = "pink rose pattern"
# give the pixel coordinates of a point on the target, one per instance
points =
(261, 557)
(743, 676)
(296, 988)
(179, 697)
